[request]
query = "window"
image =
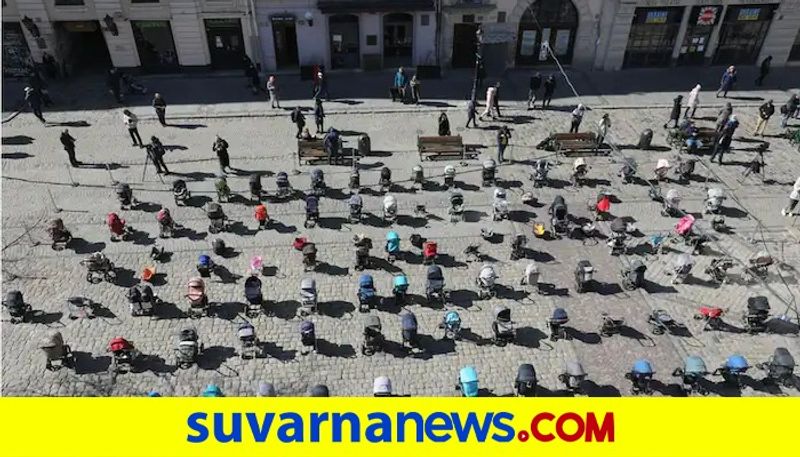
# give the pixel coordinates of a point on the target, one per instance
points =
(372, 40)
(652, 37)
(69, 2)
(468, 19)
(794, 54)
(425, 20)
(501, 16)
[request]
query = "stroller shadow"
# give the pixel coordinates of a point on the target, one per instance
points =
(155, 364)
(239, 228)
(330, 349)
(225, 276)
(169, 310)
(286, 309)
(147, 207)
(549, 289)
(379, 263)
(655, 288)
(448, 261)
(81, 246)
(583, 337)
(214, 357)
(473, 216)
(433, 347)
(228, 310)
(330, 269)
(606, 288)
(530, 337)
(630, 332)
(332, 223)
(668, 390)
(86, 363)
(270, 349)
(411, 221)
(140, 237)
(45, 318)
(336, 308)
(191, 234)
(283, 228)
(463, 298)
(509, 293)
(198, 201)
(782, 327)
(592, 389)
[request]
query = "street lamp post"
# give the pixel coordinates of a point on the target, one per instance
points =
(478, 58)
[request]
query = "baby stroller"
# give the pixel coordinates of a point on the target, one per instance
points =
(409, 330)
(758, 266)
(389, 209)
(256, 189)
(456, 207)
(602, 209)
(166, 226)
(434, 290)
(468, 382)
(319, 390)
(610, 326)
(519, 247)
(142, 300)
(218, 222)
(261, 216)
(382, 387)
(373, 338)
(640, 377)
(417, 177)
(366, 293)
(661, 322)
(355, 204)
(487, 282)
(308, 337)
(685, 169)
(124, 195)
(284, 189)
(556, 324)
(502, 326)
(449, 176)
(123, 355)
(59, 235)
(541, 168)
(198, 300)
(312, 211)
(309, 257)
(99, 268)
(733, 369)
(116, 225)
(317, 182)
(57, 354)
(180, 193)
(525, 382)
(354, 182)
(560, 216)
(308, 296)
(223, 191)
(16, 306)
(363, 246)
(628, 171)
(671, 204)
(711, 317)
(488, 172)
(619, 233)
(385, 181)
(531, 278)
(584, 273)
(218, 246)
(248, 341)
(662, 169)
(682, 268)
(693, 375)
(573, 377)
(189, 348)
(684, 229)
(780, 368)
(400, 288)
(392, 246)
(714, 200)
(429, 252)
(755, 318)
(451, 324)
(205, 265)
(633, 276)
(253, 295)
(718, 269)
(499, 205)
(579, 171)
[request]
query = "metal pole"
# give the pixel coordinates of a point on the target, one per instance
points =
(478, 44)
(53, 201)
(110, 176)
(144, 169)
(69, 172)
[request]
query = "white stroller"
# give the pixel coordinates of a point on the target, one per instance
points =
(682, 268)
(579, 171)
(487, 281)
(389, 208)
(662, 169)
(500, 205)
(531, 278)
(715, 197)
(671, 204)
(456, 207)
(248, 341)
(308, 297)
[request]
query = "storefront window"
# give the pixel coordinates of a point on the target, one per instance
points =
(155, 44)
(742, 34)
(698, 32)
(16, 55)
(553, 22)
(794, 54)
(652, 38)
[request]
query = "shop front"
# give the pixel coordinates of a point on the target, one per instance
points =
(742, 34)
(155, 45)
(225, 43)
(652, 38)
(702, 20)
(344, 38)
(554, 22)
(16, 55)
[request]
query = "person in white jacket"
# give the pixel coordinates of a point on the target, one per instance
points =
(603, 125)
(490, 94)
(794, 197)
(692, 102)
(131, 121)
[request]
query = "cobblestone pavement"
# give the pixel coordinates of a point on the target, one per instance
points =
(34, 170)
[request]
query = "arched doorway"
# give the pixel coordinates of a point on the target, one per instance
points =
(551, 21)
(344, 41)
(398, 39)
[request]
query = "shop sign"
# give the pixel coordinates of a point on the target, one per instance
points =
(708, 15)
(749, 14)
(657, 17)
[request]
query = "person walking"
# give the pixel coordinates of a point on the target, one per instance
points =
(400, 85)
(490, 94)
(39, 86)
(765, 112)
(472, 113)
(319, 116)
(131, 121)
(692, 102)
(221, 148)
(160, 105)
(497, 99)
(602, 129)
(794, 106)
(272, 89)
(533, 89)
(114, 83)
(34, 99)
(503, 136)
(722, 146)
(794, 197)
(69, 145)
(156, 152)
(444, 125)
(763, 70)
(723, 116)
(675, 114)
(549, 88)
(727, 81)
(322, 86)
(577, 118)
(299, 120)
(414, 83)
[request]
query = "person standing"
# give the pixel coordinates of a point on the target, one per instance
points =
(722, 146)
(156, 152)
(400, 84)
(490, 94)
(723, 116)
(160, 105)
(481, 76)
(34, 99)
(692, 102)
(497, 99)
(549, 89)
(414, 83)
(765, 112)
(763, 71)
(114, 82)
(319, 116)
(131, 121)
(675, 114)
(221, 148)
(794, 197)
(322, 86)
(577, 118)
(69, 145)
(299, 120)
(533, 89)
(472, 113)
(444, 125)
(602, 129)
(727, 81)
(272, 89)
(793, 105)
(503, 136)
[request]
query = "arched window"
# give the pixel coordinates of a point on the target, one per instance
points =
(551, 21)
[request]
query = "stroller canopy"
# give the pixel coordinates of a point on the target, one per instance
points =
(204, 260)
(715, 193)
(575, 369)
(246, 331)
(489, 164)
(736, 363)
(119, 344)
(579, 162)
(449, 171)
(782, 358)
(584, 266)
(531, 272)
(197, 284)
(400, 281)
(312, 204)
(685, 224)
(661, 164)
(409, 321)
(14, 299)
(316, 175)
(435, 273)
(319, 391)
(758, 304)
(488, 272)
(212, 390)
(178, 185)
(502, 313)
(559, 315)
(356, 201)
(694, 365)
(456, 199)
(673, 195)
(214, 210)
(365, 281)
(282, 178)
(255, 181)
(389, 202)
(618, 225)
(499, 194)
(684, 260)
(452, 319)
(252, 287)
(52, 340)
(642, 366)
(306, 327)
(541, 165)
(382, 386)
(266, 389)
(309, 249)
(188, 334)
(526, 374)
(372, 322)
(386, 173)
(308, 284)
(638, 266)
(559, 207)
(468, 374)
(393, 237)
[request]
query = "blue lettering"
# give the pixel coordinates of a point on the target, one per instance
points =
(260, 432)
(380, 431)
(194, 423)
(293, 422)
(431, 427)
(470, 424)
(498, 421)
(236, 428)
(355, 426)
(402, 418)
(316, 422)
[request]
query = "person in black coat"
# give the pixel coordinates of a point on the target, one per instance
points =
(160, 105)
(299, 120)
(156, 152)
(444, 125)
(319, 115)
(472, 113)
(763, 71)
(34, 99)
(533, 89)
(549, 89)
(675, 114)
(221, 148)
(69, 145)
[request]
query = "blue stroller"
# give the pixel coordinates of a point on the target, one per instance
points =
(692, 375)
(392, 246)
(400, 288)
(468, 382)
(312, 211)
(409, 330)
(556, 323)
(640, 377)
(308, 337)
(434, 290)
(732, 370)
(451, 325)
(205, 266)
(366, 293)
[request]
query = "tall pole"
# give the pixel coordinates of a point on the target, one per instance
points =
(478, 58)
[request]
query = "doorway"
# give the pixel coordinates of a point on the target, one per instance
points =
(284, 34)
(344, 41)
(83, 47)
(398, 40)
(742, 34)
(554, 22)
(465, 45)
(155, 45)
(225, 43)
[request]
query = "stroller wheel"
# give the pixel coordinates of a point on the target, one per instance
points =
(212, 229)
(657, 330)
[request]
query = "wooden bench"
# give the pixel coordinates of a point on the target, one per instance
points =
(433, 147)
(706, 135)
(574, 144)
(311, 150)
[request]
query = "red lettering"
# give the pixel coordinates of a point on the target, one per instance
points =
(543, 437)
(564, 435)
(600, 432)
(589, 428)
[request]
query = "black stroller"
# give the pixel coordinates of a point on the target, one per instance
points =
(363, 246)
(628, 171)
(619, 233)
(256, 189)
(633, 276)
(502, 326)
(557, 323)
(434, 289)
(385, 181)
(124, 196)
(584, 274)
(661, 322)
(59, 235)
(16, 306)
(488, 172)
(610, 325)
(684, 169)
(255, 299)
(409, 330)
(309, 256)
(373, 338)
(180, 193)
(540, 171)
(758, 266)
(417, 177)
(317, 182)
(57, 354)
(354, 182)
(780, 368)
(218, 222)
(559, 217)
(456, 207)
(755, 318)
(308, 337)
(284, 189)
(718, 269)
(519, 247)
(525, 382)
(142, 300)
(99, 268)
(189, 348)
(573, 377)
(248, 342)
(356, 203)
(312, 211)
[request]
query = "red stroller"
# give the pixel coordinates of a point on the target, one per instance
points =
(602, 209)
(166, 225)
(119, 231)
(429, 252)
(123, 355)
